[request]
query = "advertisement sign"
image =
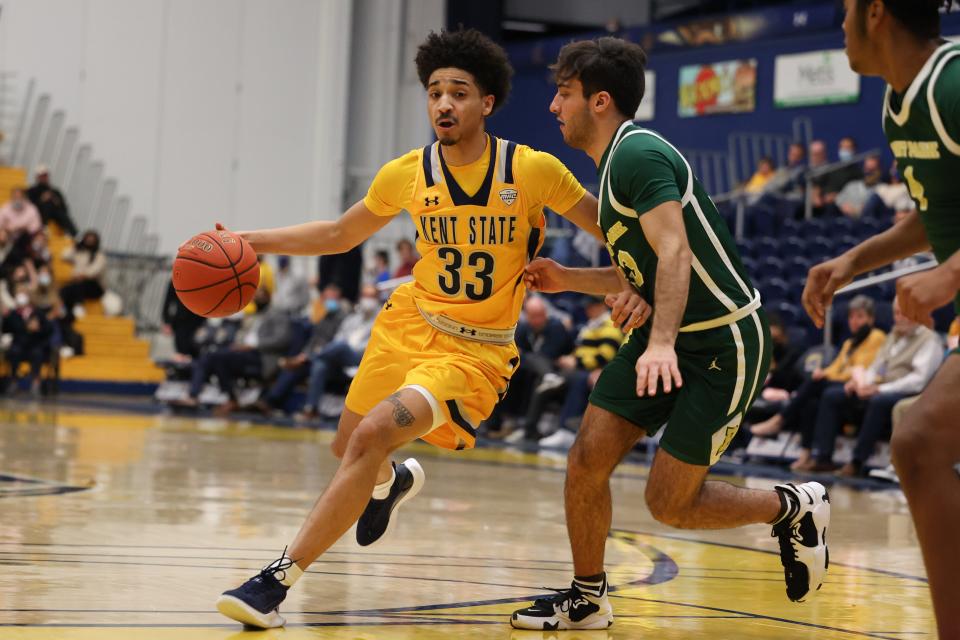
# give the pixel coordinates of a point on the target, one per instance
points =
(719, 87)
(814, 78)
(646, 109)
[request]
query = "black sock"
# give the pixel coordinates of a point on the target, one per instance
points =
(595, 586)
(787, 507)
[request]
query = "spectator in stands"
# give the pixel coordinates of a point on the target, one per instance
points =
(344, 270)
(826, 186)
(86, 280)
(905, 364)
(541, 338)
(50, 202)
(32, 336)
(295, 369)
(381, 266)
(788, 181)
(906, 206)
(784, 377)
(757, 184)
(19, 217)
(408, 258)
(892, 192)
(596, 345)
(345, 350)
(182, 324)
(857, 351)
(255, 353)
(854, 195)
(292, 291)
(22, 278)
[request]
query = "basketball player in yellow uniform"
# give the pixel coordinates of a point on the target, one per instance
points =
(442, 350)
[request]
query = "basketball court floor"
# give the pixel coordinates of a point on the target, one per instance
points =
(117, 523)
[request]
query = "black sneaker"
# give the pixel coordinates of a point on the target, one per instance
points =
(568, 609)
(803, 538)
(377, 518)
(255, 602)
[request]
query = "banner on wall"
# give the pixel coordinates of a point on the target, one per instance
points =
(719, 87)
(646, 109)
(814, 78)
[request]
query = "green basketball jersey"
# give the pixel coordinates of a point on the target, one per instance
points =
(639, 171)
(923, 128)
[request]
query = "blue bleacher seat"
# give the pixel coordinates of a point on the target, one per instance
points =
(815, 227)
(841, 225)
(751, 266)
(792, 246)
(770, 267)
(820, 248)
(766, 246)
(745, 247)
(788, 312)
(796, 268)
(774, 290)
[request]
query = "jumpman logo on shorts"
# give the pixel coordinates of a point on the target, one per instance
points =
(713, 366)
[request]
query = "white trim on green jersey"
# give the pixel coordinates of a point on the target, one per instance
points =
(904, 115)
(948, 142)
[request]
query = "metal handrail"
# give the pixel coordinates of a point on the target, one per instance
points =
(864, 283)
(827, 169)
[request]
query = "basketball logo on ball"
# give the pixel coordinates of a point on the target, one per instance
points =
(216, 273)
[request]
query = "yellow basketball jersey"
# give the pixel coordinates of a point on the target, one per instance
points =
(473, 248)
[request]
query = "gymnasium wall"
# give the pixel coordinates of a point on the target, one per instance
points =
(220, 109)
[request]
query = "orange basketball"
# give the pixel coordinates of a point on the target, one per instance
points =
(216, 273)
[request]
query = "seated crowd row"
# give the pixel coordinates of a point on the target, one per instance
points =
(39, 303)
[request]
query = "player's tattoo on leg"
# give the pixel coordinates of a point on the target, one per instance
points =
(401, 415)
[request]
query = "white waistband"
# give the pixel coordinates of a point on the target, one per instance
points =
(466, 331)
(730, 318)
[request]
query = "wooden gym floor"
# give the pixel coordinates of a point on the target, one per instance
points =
(115, 523)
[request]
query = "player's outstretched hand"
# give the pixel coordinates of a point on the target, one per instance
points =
(217, 226)
(822, 282)
(545, 275)
(657, 363)
(919, 294)
(628, 309)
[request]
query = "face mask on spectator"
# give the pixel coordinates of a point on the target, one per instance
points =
(22, 299)
(44, 279)
(331, 305)
(368, 305)
(845, 155)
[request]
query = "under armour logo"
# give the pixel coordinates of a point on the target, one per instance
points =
(464, 330)
(431, 201)
(389, 305)
(713, 366)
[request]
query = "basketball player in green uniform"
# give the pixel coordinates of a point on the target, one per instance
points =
(696, 368)
(899, 40)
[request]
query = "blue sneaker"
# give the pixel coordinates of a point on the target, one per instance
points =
(377, 519)
(256, 601)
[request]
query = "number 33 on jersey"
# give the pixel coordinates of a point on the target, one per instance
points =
(477, 225)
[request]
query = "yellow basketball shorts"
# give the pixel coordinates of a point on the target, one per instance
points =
(467, 378)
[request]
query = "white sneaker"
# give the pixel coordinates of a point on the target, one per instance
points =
(516, 436)
(570, 609)
(888, 473)
(560, 439)
(803, 538)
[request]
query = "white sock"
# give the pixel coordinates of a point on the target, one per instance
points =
(382, 490)
(290, 572)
